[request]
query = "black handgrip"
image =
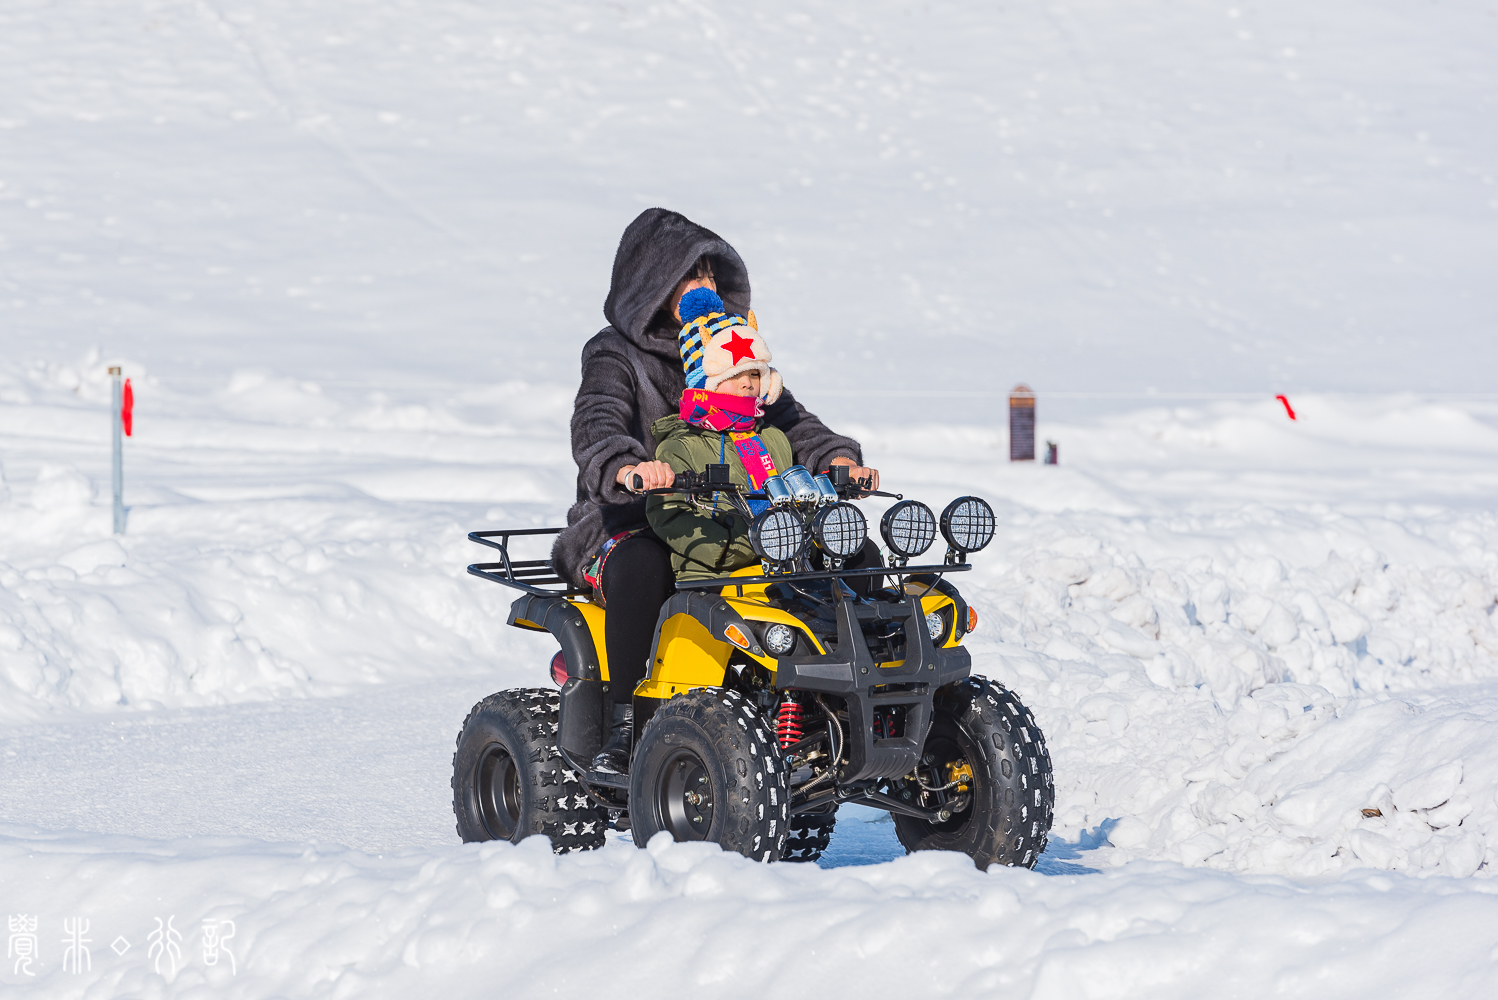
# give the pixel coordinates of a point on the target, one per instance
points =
(636, 482)
(857, 489)
(695, 483)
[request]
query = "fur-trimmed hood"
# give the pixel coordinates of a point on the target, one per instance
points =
(632, 376)
(655, 251)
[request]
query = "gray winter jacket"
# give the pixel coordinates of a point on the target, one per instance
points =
(632, 377)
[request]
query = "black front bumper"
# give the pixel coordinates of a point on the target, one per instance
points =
(852, 674)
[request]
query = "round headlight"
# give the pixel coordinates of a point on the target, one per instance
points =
(840, 529)
(780, 639)
(778, 535)
(936, 625)
(908, 528)
(968, 524)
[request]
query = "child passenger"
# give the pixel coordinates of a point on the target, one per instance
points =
(729, 384)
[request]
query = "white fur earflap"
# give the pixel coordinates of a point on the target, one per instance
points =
(770, 387)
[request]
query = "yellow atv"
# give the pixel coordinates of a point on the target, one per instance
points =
(773, 696)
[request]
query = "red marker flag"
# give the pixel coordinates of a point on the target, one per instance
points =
(1282, 399)
(127, 409)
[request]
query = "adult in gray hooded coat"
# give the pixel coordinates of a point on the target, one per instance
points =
(631, 377)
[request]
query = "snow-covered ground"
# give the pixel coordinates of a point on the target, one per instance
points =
(348, 254)
(1238, 632)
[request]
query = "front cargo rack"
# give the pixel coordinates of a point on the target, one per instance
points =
(534, 576)
(539, 576)
(799, 576)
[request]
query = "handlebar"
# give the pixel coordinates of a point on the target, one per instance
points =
(714, 479)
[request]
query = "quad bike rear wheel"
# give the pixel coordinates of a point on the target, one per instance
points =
(1007, 817)
(808, 835)
(510, 782)
(707, 767)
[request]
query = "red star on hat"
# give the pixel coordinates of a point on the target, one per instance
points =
(739, 348)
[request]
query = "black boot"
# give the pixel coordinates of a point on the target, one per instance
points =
(614, 757)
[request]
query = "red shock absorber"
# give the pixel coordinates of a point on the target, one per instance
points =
(788, 721)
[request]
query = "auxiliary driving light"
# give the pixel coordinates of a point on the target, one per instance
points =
(780, 639)
(778, 535)
(908, 528)
(968, 524)
(840, 529)
(801, 484)
(778, 492)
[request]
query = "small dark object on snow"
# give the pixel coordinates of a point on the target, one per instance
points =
(1051, 458)
(1370, 813)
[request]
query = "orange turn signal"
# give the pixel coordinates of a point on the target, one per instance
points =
(972, 620)
(736, 635)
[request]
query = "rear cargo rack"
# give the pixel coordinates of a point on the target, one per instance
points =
(534, 576)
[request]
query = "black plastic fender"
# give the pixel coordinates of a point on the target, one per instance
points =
(580, 724)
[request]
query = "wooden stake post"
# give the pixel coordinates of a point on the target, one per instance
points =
(116, 423)
(1022, 424)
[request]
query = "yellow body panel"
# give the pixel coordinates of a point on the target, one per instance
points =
(754, 606)
(756, 612)
(935, 601)
(593, 615)
(686, 657)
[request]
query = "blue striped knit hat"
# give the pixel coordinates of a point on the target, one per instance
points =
(716, 346)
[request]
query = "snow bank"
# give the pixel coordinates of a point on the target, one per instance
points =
(1252, 716)
(1220, 615)
(682, 919)
(234, 602)
(263, 558)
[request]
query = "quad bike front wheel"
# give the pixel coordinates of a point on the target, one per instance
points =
(510, 782)
(707, 767)
(986, 761)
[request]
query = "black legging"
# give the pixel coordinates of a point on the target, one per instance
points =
(637, 579)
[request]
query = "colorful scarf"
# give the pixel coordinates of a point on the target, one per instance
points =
(719, 411)
(755, 456)
(736, 417)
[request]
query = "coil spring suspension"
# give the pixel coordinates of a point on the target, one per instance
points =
(789, 721)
